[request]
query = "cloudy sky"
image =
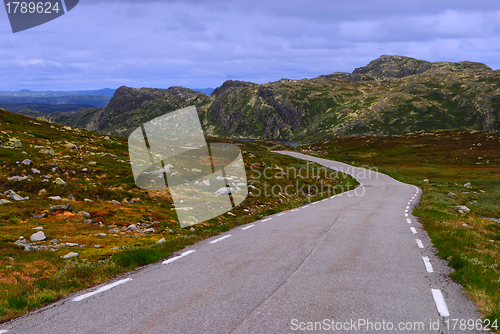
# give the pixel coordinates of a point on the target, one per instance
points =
(202, 43)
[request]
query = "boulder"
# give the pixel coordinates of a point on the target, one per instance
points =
(468, 185)
(62, 207)
(463, 209)
(4, 201)
(26, 162)
(12, 195)
(38, 236)
(35, 171)
(48, 150)
(70, 255)
(60, 182)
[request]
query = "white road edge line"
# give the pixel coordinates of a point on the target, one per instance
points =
(3, 331)
(265, 220)
(281, 214)
(428, 265)
(407, 206)
(314, 203)
(419, 243)
(440, 303)
(221, 238)
(406, 214)
(413, 230)
(305, 206)
(178, 257)
(246, 228)
(101, 289)
(406, 211)
(408, 220)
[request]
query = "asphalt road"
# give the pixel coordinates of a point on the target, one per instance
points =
(352, 262)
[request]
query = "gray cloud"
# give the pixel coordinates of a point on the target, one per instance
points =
(198, 43)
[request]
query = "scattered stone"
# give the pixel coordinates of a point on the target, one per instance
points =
(35, 171)
(60, 182)
(85, 214)
(54, 241)
(84, 170)
(224, 191)
(70, 255)
(38, 146)
(132, 228)
(230, 213)
(12, 195)
(116, 248)
(38, 228)
(114, 231)
(71, 197)
(101, 234)
(55, 198)
(192, 229)
(451, 194)
(196, 170)
(162, 240)
(93, 163)
(87, 200)
(42, 192)
(18, 178)
(463, 209)
(38, 236)
(48, 150)
(88, 221)
(70, 145)
(4, 201)
(482, 191)
(426, 181)
(115, 202)
(465, 225)
(97, 246)
(26, 162)
(149, 230)
(71, 244)
(43, 215)
(62, 207)
(468, 185)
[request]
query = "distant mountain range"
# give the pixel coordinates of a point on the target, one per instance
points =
(92, 98)
(392, 95)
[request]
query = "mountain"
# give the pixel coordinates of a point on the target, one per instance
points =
(21, 108)
(94, 98)
(392, 95)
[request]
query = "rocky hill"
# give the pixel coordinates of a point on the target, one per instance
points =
(392, 95)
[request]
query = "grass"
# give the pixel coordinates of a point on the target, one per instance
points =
(96, 172)
(442, 163)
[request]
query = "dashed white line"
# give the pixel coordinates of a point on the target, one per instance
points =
(315, 203)
(222, 238)
(3, 331)
(101, 289)
(326, 199)
(406, 210)
(413, 230)
(265, 220)
(428, 265)
(246, 228)
(305, 206)
(440, 303)
(178, 257)
(419, 243)
(407, 206)
(406, 214)
(295, 210)
(281, 214)
(408, 220)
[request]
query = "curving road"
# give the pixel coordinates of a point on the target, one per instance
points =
(353, 262)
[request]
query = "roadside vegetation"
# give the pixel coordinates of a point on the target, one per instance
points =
(77, 188)
(458, 171)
